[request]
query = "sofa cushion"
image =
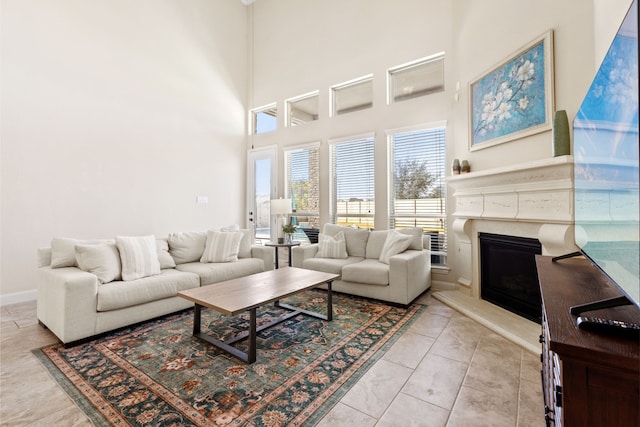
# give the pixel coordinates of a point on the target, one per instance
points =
(369, 271)
(217, 272)
(375, 243)
(139, 256)
(245, 243)
(63, 252)
(332, 246)
(329, 265)
(221, 246)
(103, 260)
(187, 246)
(417, 234)
(394, 244)
(164, 257)
(115, 295)
(356, 238)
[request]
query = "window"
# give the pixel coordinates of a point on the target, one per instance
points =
(417, 78)
(352, 181)
(264, 119)
(352, 96)
(303, 185)
(302, 109)
(417, 184)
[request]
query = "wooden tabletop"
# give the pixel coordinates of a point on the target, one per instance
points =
(244, 293)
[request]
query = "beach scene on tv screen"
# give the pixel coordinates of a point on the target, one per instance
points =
(606, 167)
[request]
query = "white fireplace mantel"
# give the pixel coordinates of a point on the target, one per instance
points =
(540, 191)
(531, 199)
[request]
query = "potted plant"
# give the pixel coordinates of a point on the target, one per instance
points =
(288, 230)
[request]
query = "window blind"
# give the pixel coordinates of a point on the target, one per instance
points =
(303, 183)
(353, 183)
(418, 188)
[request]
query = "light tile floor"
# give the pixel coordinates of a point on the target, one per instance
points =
(446, 370)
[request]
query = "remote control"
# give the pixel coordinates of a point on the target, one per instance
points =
(608, 326)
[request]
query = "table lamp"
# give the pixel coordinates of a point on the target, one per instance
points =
(281, 208)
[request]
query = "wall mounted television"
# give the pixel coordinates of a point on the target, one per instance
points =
(606, 173)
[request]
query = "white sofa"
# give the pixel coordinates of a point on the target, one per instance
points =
(86, 288)
(366, 269)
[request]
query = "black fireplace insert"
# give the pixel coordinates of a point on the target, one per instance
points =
(508, 276)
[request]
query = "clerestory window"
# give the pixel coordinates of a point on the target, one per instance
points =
(302, 109)
(417, 78)
(352, 96)
(264, 119)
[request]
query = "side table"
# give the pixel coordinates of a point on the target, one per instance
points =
(282, 245)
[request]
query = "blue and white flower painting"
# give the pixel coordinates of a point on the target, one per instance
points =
(511, 98)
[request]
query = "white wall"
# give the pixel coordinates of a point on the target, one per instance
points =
(300, 47)
(115, 115)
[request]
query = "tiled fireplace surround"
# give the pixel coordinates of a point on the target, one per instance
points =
(532, 199)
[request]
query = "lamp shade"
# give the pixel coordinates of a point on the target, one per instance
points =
(280, 206)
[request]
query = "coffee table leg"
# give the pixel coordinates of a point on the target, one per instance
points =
(251, 354)
(329, 301)
(196, 319)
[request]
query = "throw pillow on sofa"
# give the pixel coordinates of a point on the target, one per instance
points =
(102, 259)
(164, 257)
(332, 246)
(245, 242)
(222, 246)
(63, 252)
(394, 244)
(355, 238)
(187, 246)
(139, 256)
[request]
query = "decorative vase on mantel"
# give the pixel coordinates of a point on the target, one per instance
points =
(561, 139)
(465, 167)
(455, 167)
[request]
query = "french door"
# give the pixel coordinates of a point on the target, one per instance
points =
(262, 179)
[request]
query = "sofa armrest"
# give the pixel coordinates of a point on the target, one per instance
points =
(67, 302)
(265, 253)
(300, 253)
(410, 269)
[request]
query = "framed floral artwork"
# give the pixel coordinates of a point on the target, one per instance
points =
(515, 98)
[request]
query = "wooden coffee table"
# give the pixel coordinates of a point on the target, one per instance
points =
(250, 292)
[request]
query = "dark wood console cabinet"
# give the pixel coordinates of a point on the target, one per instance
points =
(588, 378)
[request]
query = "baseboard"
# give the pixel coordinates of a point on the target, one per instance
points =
(437, 285)
(18, 297)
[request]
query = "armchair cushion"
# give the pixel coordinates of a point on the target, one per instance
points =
(394, 244)
(329, 265)
(332, 247)
(356, 238)
(368, 271)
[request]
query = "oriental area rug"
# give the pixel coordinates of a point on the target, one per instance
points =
(157, 373)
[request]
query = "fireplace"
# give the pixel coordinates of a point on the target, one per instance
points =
(508, 275)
